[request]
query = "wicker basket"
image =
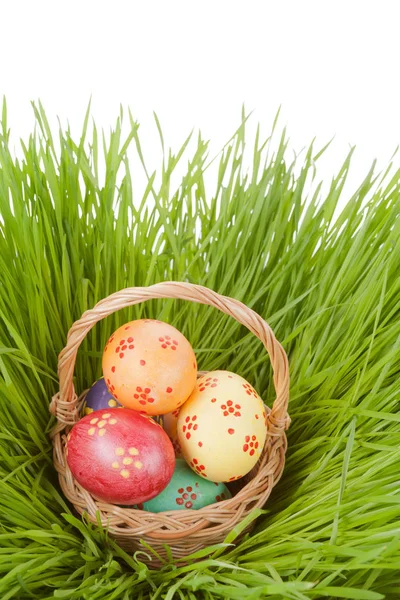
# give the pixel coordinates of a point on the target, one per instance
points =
(184, 531)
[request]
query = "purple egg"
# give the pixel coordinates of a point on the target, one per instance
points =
(99, 398)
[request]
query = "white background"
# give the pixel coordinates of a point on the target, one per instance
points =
(333, 67)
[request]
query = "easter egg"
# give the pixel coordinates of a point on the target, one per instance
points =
(222, 427)
(170, 424)
(120, 456)
(149, 366)
(98, 398)
(186, 490)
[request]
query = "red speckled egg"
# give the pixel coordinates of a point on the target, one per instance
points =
(120, 456)
(149, 366)
(222, 428)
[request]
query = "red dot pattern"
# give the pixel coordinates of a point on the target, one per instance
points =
(190, 426)
(250, 445)
(143, 395)
(198, 467)
(230, 409)
(123, 346)
(166, 342)
(183, 497)
(250, 391)
(211, 382)
(111, 388)
(221, 497)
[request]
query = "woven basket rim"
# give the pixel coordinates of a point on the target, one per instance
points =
(186, 529)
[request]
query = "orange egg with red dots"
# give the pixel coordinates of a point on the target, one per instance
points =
(149, 366)
(120, 456)
(222, 427)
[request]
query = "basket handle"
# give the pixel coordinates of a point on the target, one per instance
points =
(63, 404)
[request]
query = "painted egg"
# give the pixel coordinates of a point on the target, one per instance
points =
(120, 456)
(149, 366)
(99, 398)
(222, 427)
(186, 490)
(170, 424)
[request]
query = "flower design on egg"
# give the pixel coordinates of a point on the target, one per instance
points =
(232, 430)
(229, 409)
(112, 455)
(189, 425)
(148, 366)
(126, 461)
(100, 423)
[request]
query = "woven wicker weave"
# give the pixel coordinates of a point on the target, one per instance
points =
(184, 531)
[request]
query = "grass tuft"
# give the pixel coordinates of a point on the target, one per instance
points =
(322, 269)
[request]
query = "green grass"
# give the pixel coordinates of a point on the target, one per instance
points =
(326, 279)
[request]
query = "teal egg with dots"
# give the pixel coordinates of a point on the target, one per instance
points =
(186, 490)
